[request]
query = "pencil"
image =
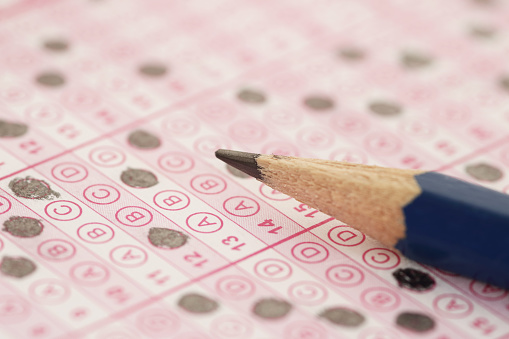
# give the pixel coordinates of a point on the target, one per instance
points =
(429, 217)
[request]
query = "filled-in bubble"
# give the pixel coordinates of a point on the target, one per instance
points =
(251, 96)
(385, 108)
(351, 53)
(138, 178)
(12, 129)
(415, 322)
(413, 279)
(50, 79)
(342, 316)
(271, 308)
(23, 227)
(153, 69)
(143, 139)
(16, 266)
(415, 60)
(319, 102)
(197, 303)
(56, 45)
(166, 238)
(31, 188)
(504, 82)
(484, 172)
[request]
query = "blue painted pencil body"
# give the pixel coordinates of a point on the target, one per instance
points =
(458, 227)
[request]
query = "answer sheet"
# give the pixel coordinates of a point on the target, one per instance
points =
(119, 223)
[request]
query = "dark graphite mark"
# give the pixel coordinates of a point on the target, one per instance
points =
(166, 238)
(385, 108)
(143, 140)
(415, 322)
(342, 316)
(138, 178)
(23, 227)
(50, 79)
(56, 45)
(12, 129)
(413, 60)
(319, 102)
(272, 308)
(197, 303)
(31, 188)
(251, 96)
(414, 279)
(153, 69)
(484, 172)
(17, 267)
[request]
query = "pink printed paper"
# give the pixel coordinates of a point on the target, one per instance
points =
(118, 221)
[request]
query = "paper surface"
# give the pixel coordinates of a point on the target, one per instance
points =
(118, 222)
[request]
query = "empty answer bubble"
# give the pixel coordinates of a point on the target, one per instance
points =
(484, 172)
(17, 267)
(272, 308)
(23, 227)
(138, 178)
(342, 316)
(166, 238)
(197, 303)
(143, 139)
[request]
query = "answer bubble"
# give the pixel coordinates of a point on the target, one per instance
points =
(319, 103)
(251, 96)
(484, 172)
(17, 267)
(415, 322)
(12, 129)
(272, 308)
(138, 178)
(197, 303)
(143, 140)
(166, 238)
(413, 279)
(414, 60)
(31, 188)
(56, 45)
(351, 53)
(342, 316)
(23, 227)
(153, 69)
(385, 108)
(50, 79)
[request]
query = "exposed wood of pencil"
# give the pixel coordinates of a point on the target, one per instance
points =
(369, 198)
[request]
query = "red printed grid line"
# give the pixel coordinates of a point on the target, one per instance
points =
(161, 296)
(112, 221)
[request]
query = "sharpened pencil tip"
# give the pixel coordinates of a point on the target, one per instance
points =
(243, 161)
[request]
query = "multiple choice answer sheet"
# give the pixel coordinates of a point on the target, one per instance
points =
(117, 221)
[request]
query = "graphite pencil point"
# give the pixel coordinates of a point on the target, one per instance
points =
(243, 161)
